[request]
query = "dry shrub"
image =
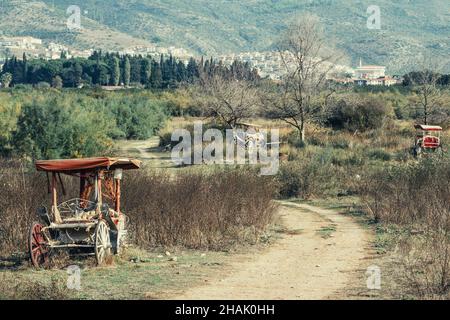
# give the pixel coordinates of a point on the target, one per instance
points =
(416, 197)
(425, 262)
(301, 179)
(323, 172)
(410, 194)
(198, 210)
(17, 288)
(22, 192)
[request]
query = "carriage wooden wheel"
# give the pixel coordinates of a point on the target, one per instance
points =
(38, 246)
(102, 242)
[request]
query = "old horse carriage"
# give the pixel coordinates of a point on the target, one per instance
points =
(87, 224)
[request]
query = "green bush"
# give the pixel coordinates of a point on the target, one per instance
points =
(302, 178)
(60, 129)
(379, 154)
(316, 141)
(340, 143)
(359, 114)
(136, 116)
(48, 123)
(294, 140)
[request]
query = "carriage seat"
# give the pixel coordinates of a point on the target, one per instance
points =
(431, 142)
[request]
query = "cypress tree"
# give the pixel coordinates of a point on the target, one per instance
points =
(25, 69)
(146, 70)
(126, 71)
(115, 71)
(192, 70)
(77, 69)
(181, 72)
(156, 76)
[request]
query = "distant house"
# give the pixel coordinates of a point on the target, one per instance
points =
(382, 81)
(360, 82)
(388, 81)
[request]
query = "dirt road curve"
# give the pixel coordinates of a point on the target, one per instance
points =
(301, 265)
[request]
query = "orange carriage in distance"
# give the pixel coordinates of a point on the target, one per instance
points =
(86, 224)
(427, 140)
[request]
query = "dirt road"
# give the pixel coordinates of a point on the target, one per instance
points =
(147, 151)
(316, 258)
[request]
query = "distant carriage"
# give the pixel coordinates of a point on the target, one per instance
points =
(247, 135)
(427, 140)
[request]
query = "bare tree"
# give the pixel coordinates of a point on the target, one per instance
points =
(226, 100)
(424, 82)
(302, 94)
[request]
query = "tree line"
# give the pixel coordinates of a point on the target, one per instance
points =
(113, 69)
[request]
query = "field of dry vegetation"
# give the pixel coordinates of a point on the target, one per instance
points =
(414, 201)
(212, 210)
(221, 208)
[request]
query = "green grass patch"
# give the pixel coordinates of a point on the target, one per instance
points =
(137, 274)
(327, 231)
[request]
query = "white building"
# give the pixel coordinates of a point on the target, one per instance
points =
(20, 42)
(369, 72)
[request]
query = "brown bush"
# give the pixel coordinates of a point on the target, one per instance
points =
(196, 210)
(425, 264)
(21, 193)
(416, 197)
(415, 193)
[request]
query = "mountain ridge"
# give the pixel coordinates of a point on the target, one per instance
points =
(409, 29)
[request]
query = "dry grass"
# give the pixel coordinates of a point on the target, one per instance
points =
(198, 210)
(415, 197)
(13, 287)
(22, 192)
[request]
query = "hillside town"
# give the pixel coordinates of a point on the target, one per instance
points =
(269, 64)
(37, 48)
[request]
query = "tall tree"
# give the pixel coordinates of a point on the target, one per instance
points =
(126, 71)
(192, 70)
(77, 73)
(425, 83)
(135, 70)
(156, 76)
(302, 94)
(25, 68)
(146, 70)
(115, 71)
(226, 100)
(181, 72)
(17, 71)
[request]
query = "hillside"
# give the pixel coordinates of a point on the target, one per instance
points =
(40, 20)
(410, 29)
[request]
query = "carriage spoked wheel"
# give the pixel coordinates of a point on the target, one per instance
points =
(102, 242)
(38, 246)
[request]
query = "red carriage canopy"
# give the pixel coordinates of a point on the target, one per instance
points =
(427, 128)
(85, 164)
